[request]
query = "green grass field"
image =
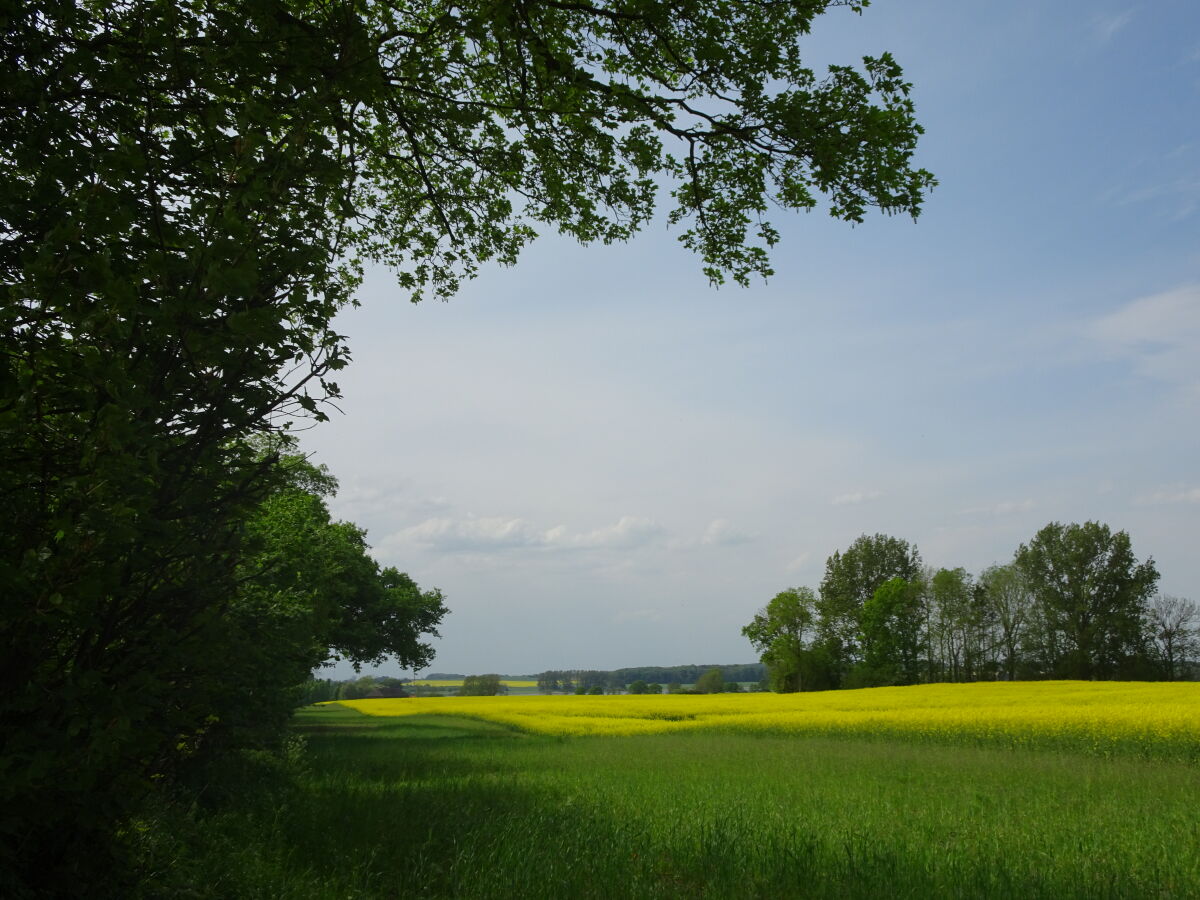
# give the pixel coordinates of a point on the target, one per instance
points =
(428, 806)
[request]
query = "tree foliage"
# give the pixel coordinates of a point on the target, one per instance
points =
(1092, 593)
(851, 579)
(711, 682)
(1008, 596)
(1174, 624)
(782, 633)
(310, 593)
(481, 686)
(891, 635)
(1073, 603)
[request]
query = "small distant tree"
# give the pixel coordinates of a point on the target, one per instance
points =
(638, 687)
(1174, 634)
(653, 688)
(356, 689)
(674, 688)
(732, 687)
(596, 689)
(481, 686)
(711, 682)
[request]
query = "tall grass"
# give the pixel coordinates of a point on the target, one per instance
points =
(445, 807)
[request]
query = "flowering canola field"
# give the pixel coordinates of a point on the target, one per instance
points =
(1097, 716)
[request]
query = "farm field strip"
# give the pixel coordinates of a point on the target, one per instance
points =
(458, 682)
(1152, 717)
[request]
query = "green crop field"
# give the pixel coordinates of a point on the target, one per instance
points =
(441, 806)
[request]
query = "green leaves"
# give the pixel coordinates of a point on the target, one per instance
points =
(1092, 594)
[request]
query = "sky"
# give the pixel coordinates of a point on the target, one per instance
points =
(603, 461)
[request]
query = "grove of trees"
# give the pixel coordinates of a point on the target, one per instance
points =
(482, 686)
(1074, 602)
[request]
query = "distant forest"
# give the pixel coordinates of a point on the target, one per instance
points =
(550, 681)
(617, 680)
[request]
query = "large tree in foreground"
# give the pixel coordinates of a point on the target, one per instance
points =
(189, 191)
(1092, 596)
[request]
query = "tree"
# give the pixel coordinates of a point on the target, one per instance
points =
(782, 633)
(481, 686)
(1092, 595)
(711, 682)
(851, 579)
(638, 687)
(310, 593)
(1008, 597)
(654, 688)
(956, 624)
(1175, 633)
(891, 636)
(190, 193)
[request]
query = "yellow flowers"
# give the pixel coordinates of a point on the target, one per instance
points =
(1096, 714)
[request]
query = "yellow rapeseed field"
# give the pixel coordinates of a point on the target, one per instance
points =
(1097, 715)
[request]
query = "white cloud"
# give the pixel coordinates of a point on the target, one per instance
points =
(1160, 333)
(1178, 195)
(355, 500)
(721, 533)
(800, 562)
(1177, 495)
(480, 534)
(628, 532)
(1106, 25)
(453, 535)
(855, 497)
(1003, 508)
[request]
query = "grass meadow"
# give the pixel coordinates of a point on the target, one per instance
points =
(449, 806)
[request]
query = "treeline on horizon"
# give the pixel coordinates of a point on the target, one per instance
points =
(1072, 603)
(571, 680)
(634, 680)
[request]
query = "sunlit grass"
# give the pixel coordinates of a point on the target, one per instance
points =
(442, 807)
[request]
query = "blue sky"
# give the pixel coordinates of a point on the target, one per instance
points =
(603, 461)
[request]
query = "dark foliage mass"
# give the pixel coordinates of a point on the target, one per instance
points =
(189, 193)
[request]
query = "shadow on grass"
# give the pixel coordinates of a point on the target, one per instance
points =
(447, 807)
